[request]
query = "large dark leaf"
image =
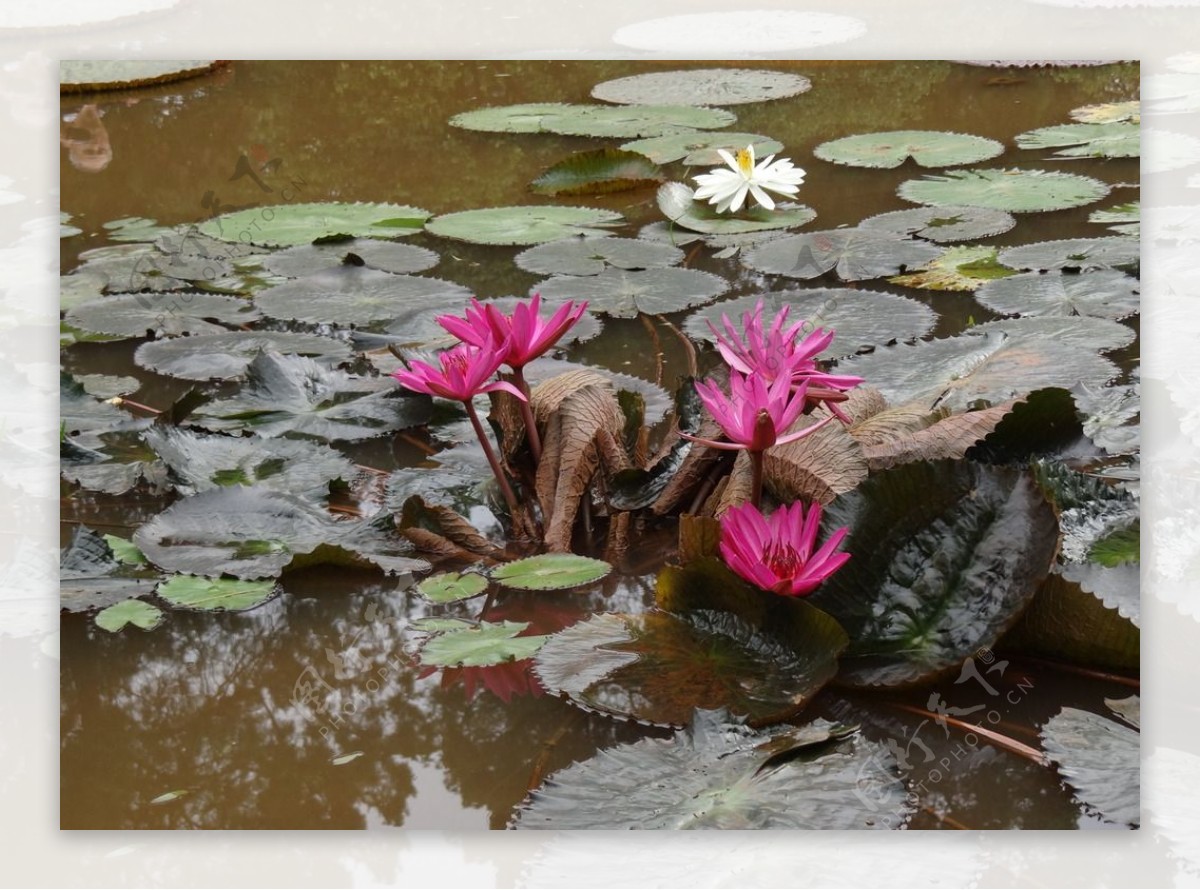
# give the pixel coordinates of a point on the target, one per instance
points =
(136, 315)
(79, 412)
(929, 148)
(112, 462)
(945, 556)
(678, 204)
(222, 356)
(1106, 293)
(523, 224)
(1079, 254)
(92, 577)
(1016, 191)
(856, 254)
(942, 224)
(593, 120)
(1100, 759)
(598, 172)
(718, 773)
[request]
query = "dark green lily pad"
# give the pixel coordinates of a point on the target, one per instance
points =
(942, 224)
(1118, 139)
(162, 315)
(962, 268)
(65, 228)
(928, 148)
(702, 86)
(82, 75)
(450, 587)
(199, 462)
(385, 256)
(354, 295)
(718, 773)
(1017, 191)
(523, 225)
(628, 122)
(290, 394)
(135, 228)
(678, 204)
(80, 412)
(1106, 293)
(551, 571)
(1100, 759)
(1083, 254)
(480, 645)
(598, 172)
(285, 225)
(215, 594)
(624, 293)
(1100, 334)
(860, 318)
(223, 356)
(135, 612)
(946, 555)
(700, 148)
(856, 254)
(112, 462)
(591, 256)
(92, 577)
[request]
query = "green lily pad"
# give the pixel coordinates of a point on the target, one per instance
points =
(83, 75)
(480, 645)
(135, 612)
(962, 268)
(1109, 140)
(112, 462)
(289, 394)
(859, 318)
(1082, 254)
(450, 587)
(107, 386)
(591, 256)
(551, 571)
(523, 225)
(1016, 191)
(946, 555)
(285, 225)
(624, 293)
(1128, 709)
(942, 224)
(628, 122)
(928, 148)
(700, 148)
(1124, 219)
(1100, 759)
(354, 295)
(678, 204)
(718, 773)
(223, 356)
(215, 594)
(125, 551)
(702, 86)
(1109, 112)
(1106, 293)
(598, 172)
(385, 256)
(161, 315)
(855, 254)
(199, 462)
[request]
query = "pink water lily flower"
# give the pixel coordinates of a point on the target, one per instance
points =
(527, 334)
(756, 414)
(462, 375)
(777, 553)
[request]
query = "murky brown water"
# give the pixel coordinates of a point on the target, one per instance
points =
(202, 705)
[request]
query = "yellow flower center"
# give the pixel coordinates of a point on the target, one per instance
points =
(745, 161)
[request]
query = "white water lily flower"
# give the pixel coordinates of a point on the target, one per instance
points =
(728, 188)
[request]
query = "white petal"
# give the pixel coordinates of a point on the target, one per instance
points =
(730, 160)
(762, 197)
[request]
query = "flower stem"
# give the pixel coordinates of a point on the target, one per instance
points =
(531, 430)
(490, 454)
(756, 478)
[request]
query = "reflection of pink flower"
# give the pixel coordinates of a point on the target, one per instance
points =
(756, 414)
(463, 373)
(527, 335)
(776, 553)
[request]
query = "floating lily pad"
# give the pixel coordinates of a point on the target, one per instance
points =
(450, 587)
(80, 412)
(1100, 759)
(624, 293)
(700, 148)
(598, 172)
(353, 295)
(1109, 140)
(1109, 112)
(386, 256)
(1128, 709)
(82, 75)
(285, 225)
(860, 318)
(591, 256)
(525, 118)
(65, 228)
(198, 462)
(112, 462)
(91, 576)
(963, 268)
(1106, 293)
(125, 551)
(290, 394)
(946, 555)
(223, 356)
(1082, 254)
(107, 386)
(161, 315)
(718, 773)
(480, 645)
(1124, 219)
(855, 254)
(551, 571)
(135, 612)
(678, 204)
(629, 122)
(942, 224)
(1016, 191)
(928, 148)
(523, 225)
(215, 594)
(702, 86)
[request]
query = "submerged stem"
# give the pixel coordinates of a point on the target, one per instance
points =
(490, 454)
(531, 430)
(756, 478)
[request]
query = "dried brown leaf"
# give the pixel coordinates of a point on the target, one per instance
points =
(818, 467)
(950, 437)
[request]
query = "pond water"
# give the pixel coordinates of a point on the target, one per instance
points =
(192, 725)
